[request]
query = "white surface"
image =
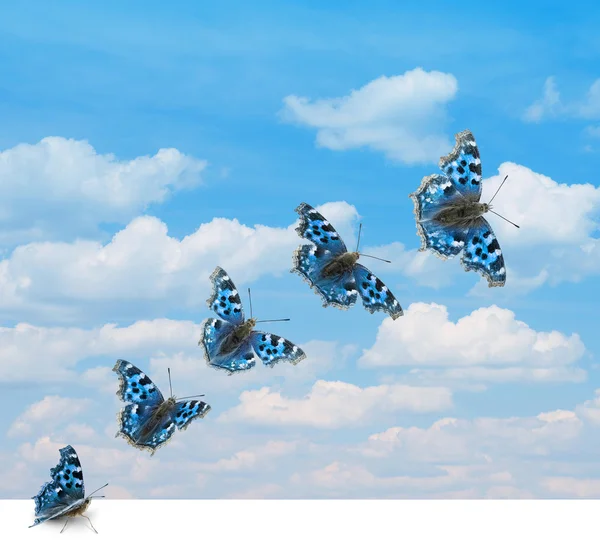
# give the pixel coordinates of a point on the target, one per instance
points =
(329, 528)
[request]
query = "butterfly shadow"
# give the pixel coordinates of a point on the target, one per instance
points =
(78, 523)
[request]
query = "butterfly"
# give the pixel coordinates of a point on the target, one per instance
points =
(149, 421)
(230, 344)
(449, 214)
(332, 271)
(64, 495)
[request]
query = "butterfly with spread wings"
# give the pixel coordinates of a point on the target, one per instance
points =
(149, 421)
(333, 271)
(450, 217)
(64, 495)
(230, 343)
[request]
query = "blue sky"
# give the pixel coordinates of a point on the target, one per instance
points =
(264, 107)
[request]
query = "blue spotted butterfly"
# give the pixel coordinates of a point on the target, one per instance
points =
(149, 421)
(230, 344)
(64, 495)
(449, 214)
(333, 272)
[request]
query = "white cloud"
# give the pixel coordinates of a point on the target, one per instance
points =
(323, 357)
(58, 350)
(60, 355)
(548, 212)
(143, 263)
(590, 409)
(345, 479)
(590, 108)
(71, 188)
(48, 412)
(486, 339)
(593, 131)
(251, 458)
(334, 404)
(401, 115)
(548, 105)
(551, 106)
(461, 440)
(572, 487)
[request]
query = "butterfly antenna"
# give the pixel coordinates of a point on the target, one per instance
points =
(170, 385)
(498, 215)
(92, 493)
(190, 396)
(271, 320)
(373, 257)
(359, 231)
(250, 299)
(490, 201)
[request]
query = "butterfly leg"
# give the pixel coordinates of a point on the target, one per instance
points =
(63, 528)
(94, 529)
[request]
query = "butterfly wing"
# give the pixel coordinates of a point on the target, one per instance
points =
(225, 300)
(64, 492)
(144, 397)
(463, 166)
(375, 295)
(483, 254)
(272, 349)
(214, 333)
(185, 412)
(135, 385)
(435, 193)
(316, 228)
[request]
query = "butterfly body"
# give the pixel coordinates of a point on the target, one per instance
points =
(149, 420)
(236, 338)
(230, 343)
(78, 508)
(340, 265)
(63, 496)
(334, 272)
(462, 212)
(449, 213)
(145, 433)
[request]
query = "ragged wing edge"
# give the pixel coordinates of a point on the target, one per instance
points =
(212, 278)
(465, 135)
(302, 222)
(491, 283)
(417, 212)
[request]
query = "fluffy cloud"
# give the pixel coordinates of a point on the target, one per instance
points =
(58, 350)
(252, 457)
(333, 404)
(62, 353)
(341, 479)
(572, 487)
(143, 263)
(460, 440)
(590, 409)
(401, 116)
(548, 105)
(71, 188)
(49, 412)
(551, 106)
(487, 344)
